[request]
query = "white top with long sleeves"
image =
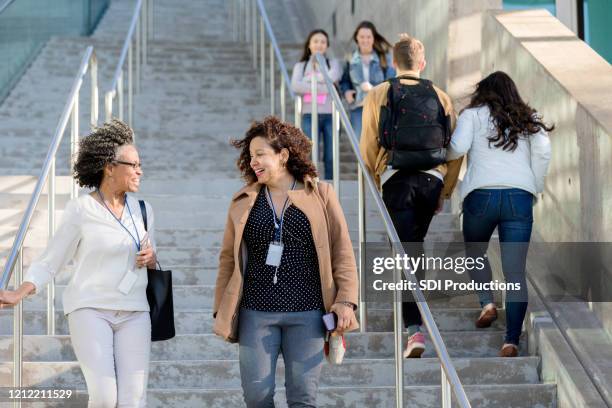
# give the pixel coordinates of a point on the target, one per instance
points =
(102, 252)
(492, 167)
(300, 83)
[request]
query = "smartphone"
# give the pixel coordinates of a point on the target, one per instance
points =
(330, 321)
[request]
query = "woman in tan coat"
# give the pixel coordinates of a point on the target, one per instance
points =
(286, 259)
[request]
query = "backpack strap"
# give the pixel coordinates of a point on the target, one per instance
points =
(143, 211)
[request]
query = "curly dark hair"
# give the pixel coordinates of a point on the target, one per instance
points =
(98, 149)
(513, 118)
(280, 135)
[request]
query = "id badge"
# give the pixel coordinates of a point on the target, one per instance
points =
(128, 282)
(275, 253)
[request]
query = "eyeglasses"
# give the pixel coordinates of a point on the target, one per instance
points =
(134, 165)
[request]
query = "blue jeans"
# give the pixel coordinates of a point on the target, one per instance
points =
(510, 210)
(325, 133)
(356, 115)
(263, 335)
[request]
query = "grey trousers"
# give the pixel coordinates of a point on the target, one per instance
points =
(299, 336)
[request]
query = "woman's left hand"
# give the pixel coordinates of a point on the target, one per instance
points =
(346, 315)
(146, 257)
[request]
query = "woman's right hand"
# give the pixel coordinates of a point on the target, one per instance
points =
(350, 96)
(9, 298)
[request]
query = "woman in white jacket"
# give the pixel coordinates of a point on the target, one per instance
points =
(508, 152)
(105, 299)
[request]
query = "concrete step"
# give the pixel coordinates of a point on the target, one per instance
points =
(507, 396)
(186, 347)
(210, 219)
(352, 372)
(200, 321)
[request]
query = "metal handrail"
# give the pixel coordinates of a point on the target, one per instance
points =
(248, 9)
(141, 27)
(449, 374)
(47, 173)
(274, 44)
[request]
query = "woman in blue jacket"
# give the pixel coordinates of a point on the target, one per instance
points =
(369, 65)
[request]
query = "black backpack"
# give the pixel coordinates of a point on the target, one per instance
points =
(413, 128)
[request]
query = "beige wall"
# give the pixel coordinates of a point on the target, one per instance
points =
(570, 85)
(450, 30)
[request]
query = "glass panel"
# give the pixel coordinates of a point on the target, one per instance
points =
(526, 4)
(597, 27)
(26, 25)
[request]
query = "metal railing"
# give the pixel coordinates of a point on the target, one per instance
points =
(134, 50)
(250, 23)
(47, 175)
(243, 23)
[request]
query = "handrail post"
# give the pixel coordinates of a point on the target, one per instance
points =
(254, 32)
(298, 112)
(95, 109)
(445, 394)
(74, 140)
(143, 17)
(138, 51)
(108, 106)
(130, 86)
(397, 332)
(150, 20)
(51, 232)
(336, 148)
(361, 216)
(272, 101)
(314, 118)
(283, 103)
(18, 330)
(120, 97)
(247, 20)
(262, 62)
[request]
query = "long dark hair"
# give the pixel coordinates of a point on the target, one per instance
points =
(381, 45)
(512, 117)
(280, 135)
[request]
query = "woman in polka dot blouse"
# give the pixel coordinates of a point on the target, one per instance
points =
(286, 259)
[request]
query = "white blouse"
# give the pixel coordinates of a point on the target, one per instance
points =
(491, 167)
(103, 252)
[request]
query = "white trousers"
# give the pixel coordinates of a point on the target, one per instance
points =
(113, 349)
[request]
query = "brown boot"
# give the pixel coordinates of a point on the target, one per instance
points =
(487, 316)
(509, 350)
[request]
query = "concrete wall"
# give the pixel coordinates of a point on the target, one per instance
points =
(450, 30)
(570, 85)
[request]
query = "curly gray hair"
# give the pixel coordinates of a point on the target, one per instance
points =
(98, 149)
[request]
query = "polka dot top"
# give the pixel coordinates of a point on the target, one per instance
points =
(298, 287)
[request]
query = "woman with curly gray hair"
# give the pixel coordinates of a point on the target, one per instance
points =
(105, 300)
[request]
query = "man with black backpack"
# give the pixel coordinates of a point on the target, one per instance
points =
(406, 128)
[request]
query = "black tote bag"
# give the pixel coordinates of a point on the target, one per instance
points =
(159, 295)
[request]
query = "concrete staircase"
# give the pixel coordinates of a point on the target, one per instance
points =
(198, 92)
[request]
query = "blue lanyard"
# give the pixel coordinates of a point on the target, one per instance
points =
(278, 227)
(135, 239)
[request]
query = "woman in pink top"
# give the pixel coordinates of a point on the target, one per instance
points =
(317, 42)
